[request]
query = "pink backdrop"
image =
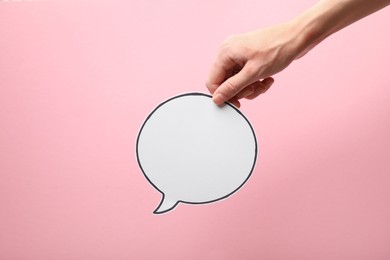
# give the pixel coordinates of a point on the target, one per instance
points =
(77, 79)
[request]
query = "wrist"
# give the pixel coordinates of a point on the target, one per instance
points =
(315, 24)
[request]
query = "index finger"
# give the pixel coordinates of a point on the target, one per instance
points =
(219, 72)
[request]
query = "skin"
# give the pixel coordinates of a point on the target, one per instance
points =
(245, 63)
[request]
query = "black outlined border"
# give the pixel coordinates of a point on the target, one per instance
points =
(181, 201)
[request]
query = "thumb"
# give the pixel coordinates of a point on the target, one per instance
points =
(233, 85)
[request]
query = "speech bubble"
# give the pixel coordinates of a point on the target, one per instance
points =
(193, 151)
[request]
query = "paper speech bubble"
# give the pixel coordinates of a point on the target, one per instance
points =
(194, 151)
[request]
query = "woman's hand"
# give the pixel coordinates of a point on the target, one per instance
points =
(245, 63)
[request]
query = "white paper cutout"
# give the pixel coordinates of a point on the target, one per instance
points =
(194, 151)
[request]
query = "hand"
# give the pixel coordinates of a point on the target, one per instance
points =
(246, 62)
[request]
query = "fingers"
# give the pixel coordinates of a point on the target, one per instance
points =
(253, 90)
(233, 86)
(250, 92)
(247, 91)
(260, 87)
(232, 78)
(235, 102)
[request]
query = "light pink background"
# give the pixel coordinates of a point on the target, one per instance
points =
(77, 79)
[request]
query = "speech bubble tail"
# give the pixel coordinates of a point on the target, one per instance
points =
(166, 205)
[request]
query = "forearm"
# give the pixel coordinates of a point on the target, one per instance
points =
(327, 17)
